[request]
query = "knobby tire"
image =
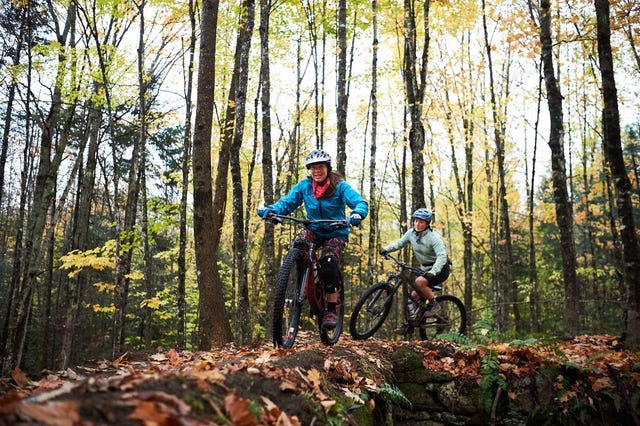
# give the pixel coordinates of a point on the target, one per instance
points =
(287, 309)
(452, 318)
(331, 337)
(371, 310)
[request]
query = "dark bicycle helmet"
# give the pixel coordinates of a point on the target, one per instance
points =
(318, 156)
(423, 213)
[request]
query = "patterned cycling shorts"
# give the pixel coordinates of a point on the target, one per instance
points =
(331, 247)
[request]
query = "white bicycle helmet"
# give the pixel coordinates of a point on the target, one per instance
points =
(317, 156)
(422, 213)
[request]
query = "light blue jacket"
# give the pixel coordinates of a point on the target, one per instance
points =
(331, 206)
(428, 248)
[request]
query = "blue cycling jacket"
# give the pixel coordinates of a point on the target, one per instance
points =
(331, 206)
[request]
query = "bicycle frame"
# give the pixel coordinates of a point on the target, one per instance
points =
(310, 287)
(298, 280)
(399, 279)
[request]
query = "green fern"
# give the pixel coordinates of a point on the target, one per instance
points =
(455, 337)
(483, 330)
(491, 380)
(393, 395)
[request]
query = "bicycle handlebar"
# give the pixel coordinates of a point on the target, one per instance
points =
(278, 218)
(401, 264)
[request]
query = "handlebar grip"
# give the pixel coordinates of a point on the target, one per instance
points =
(276, 219)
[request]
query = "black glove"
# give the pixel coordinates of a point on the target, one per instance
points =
(383, 252)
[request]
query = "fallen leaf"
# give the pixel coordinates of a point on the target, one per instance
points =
(151, 413)
(158, 357)
(21, 379)
(327, 404)
(121, 360)
(50, 413)
(602, 383)
(272, 410)
(173, 356)
(288, 385)
(167, 400)
(238, 410)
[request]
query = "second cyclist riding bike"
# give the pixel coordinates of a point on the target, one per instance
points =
(373, 307)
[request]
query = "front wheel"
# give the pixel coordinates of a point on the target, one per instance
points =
(370, 311)
(330, 337)
(452, 318)
(287, 309)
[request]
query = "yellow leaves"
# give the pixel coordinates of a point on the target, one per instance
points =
(95, 307)
(135, 275)
(99, 258)
(152, 303)
(105, 287)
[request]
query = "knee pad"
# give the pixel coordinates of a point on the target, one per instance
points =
(329, 274)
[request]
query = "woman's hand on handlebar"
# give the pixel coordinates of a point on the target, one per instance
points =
(266, 212)
(354, 219)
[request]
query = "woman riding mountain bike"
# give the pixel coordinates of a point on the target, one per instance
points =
(325, 196)
(431, 253)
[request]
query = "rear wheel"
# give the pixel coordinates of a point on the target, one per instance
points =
(287, 308)
(370, 311)
(330, 337)
(452, 318)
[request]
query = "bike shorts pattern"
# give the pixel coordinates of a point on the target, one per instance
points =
(330, 257)
(333, 247)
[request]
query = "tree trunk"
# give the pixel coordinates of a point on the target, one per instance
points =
(415, 96)
(125, 239)
(238, 98)
(186, 158)
(86, 182)
(43, 196)
(3, 159)
(267, 161)
(143, 95)
(373, 195)
(534, 294)
(342, 95)
(213, 324)
(507, 285)
(564, 207)
(613, 155)
(8, 115)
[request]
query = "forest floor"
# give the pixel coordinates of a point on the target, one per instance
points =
(262, 385)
